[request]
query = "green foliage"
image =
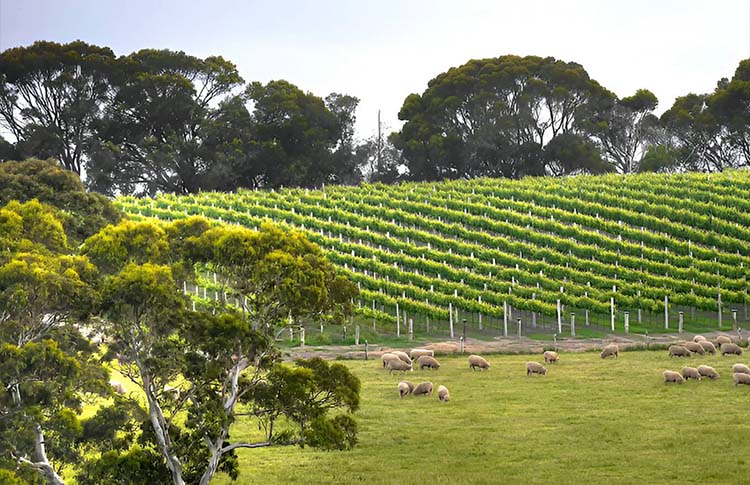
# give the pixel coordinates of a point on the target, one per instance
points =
(493, 117)
(339, 433)
(50, 98)
(136, 465)
(425, 246)
(81, 213)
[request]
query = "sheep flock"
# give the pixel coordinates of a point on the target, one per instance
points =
(423, 360)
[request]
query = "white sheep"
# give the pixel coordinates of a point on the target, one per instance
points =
(690, 373)
(535, 368)
(740, 378)
(551, 357)
(118, 387)
(423, 388)
(741, 369)
(672, 376)
(405, 388)
(708, 371)
(478, 361)
(417, 353)
(443, 394)
(610, 350)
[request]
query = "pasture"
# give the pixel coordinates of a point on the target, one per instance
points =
(588, 420)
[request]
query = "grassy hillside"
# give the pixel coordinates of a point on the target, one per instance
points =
(588, 420)
(476, 246)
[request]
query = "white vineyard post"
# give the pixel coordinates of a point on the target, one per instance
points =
(559, 318)
(505, 319)
(411, 329)
(398, 322)
(627, 321)
(612, 312)
(572, 324)
(450, 317)
(680, 320)
(666, 311)
(734, 319)
(718, 304)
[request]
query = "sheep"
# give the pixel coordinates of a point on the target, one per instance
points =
(404, 388)
(118, 387)
(423, 388)
(694, 347)
(730, 349)
(722, 339)
(550, 357)
(679, 351)
(740, 378)
(172, 392)
(417, 353)
(398, 365)
(427, 361)
(672, 376)
(708, 347)
(740, 369)
(388, 356)
(535, 368)
(401, 355)
(699, 338)
(477, 361)
(708, 371)
(690, 373)
(443, 394)
(610, 350)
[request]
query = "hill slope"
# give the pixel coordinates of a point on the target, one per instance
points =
(481, 244)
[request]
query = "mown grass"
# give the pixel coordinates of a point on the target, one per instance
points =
(589, 420)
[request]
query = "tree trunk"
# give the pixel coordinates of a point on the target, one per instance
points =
(158, 423)
(213, 465)
(43, 465)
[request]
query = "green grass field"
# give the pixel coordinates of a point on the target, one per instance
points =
(588, 420)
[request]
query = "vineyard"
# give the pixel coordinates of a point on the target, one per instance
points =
(625, 253)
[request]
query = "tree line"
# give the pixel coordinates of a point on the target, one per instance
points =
(164, 121)
(76, 304)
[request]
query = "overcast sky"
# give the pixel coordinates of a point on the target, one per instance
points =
(380, 51)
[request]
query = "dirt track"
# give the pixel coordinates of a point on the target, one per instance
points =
(500, 345)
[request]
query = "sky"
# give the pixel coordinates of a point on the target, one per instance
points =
(381, 51)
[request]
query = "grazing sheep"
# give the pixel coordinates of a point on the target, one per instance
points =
(678, 351)
(610, 350)
(699, 338)
(722, 339)
(388, 356)
(118, 387)
(477, 361)
(404, 388)
(690, 373)
(708, 371)
(694, 347)
(550, 357)
(708, 347)
(427, 361)
(535, 368)
(672, 376)
(740, 378)
(172, 392)
(398, 365)
(401, 355)
(443, 394)
(417, 353)
(732, 349)
(423, 388)
(741, 369)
